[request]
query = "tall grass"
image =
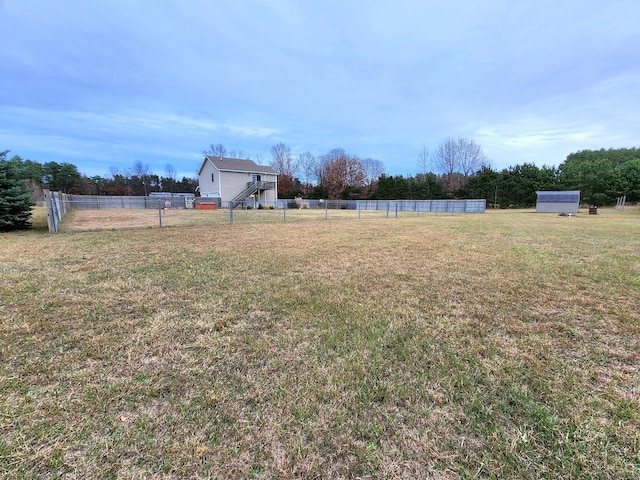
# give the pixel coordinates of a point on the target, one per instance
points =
(504, 345)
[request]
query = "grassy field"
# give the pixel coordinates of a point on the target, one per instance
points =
(503, 345)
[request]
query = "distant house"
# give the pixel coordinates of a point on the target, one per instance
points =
(238, 182)
(563, 201)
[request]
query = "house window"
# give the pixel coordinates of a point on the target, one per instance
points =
(213, 179)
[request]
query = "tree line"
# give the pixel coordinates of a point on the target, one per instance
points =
(457, 168)
(65, 177)
(602, 176)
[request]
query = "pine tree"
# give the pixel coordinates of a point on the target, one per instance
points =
(15, 200)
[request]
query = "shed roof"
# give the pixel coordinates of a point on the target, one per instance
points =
(236, 165)
(559, 196)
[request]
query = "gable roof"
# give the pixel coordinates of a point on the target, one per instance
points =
(236, 165)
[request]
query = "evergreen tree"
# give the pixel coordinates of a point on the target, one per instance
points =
(483, 184)
(15, 199)
(602, 175)
(61, 177)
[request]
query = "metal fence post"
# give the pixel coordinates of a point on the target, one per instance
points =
(159, 212)
(54, 214)
(230, 212)
(326, 209)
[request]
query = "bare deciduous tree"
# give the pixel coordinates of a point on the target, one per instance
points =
(458, 155)
(456, 159)
(239, 154)
(216, 150)
(471, 156)
(283, 163)
(424, 160)
(445, 157)
(372, 169)
(141, 170)
(308, 165)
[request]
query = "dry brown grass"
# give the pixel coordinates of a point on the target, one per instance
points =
(119, 219)
(501, 345)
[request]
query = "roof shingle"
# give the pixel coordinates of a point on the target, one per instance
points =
(236, 164)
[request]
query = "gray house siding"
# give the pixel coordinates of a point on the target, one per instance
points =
(225, 178)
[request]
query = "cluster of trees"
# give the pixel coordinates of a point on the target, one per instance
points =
(334, 175)
(65, 177)
(140, 180)
(601, 175)
(457, 168)
(20, 178)
(340, 175)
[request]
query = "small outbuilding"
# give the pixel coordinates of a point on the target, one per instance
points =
(562, 201)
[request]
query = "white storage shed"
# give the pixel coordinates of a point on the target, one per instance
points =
(562, 201)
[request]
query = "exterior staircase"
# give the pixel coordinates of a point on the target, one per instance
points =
(252, 187)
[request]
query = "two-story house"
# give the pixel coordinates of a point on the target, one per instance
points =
(239, 182)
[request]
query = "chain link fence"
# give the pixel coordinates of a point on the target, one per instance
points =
(89, 212)
(426, 206)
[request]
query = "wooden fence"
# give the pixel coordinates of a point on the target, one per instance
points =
(57, 207)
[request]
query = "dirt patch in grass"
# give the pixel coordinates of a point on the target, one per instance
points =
(502, 345)
(118, 219)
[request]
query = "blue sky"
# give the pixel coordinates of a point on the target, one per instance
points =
(105, 83)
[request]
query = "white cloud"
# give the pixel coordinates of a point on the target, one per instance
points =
(379, 79)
